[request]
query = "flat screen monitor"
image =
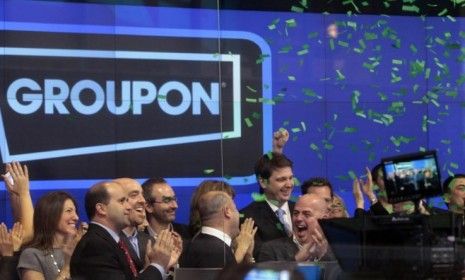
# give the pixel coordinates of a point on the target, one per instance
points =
(393, 246)
(411, 176)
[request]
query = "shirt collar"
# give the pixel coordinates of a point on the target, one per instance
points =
(218, 234)
(285, 206)
(113, 234)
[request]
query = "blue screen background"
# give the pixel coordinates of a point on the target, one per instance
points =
(379, 86)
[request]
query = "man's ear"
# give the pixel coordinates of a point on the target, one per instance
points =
(263, 182)
(149, 208)
(101, 209)
(227, 212)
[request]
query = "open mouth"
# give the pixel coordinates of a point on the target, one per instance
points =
(301, 228)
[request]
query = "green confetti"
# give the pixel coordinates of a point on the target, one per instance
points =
(285, 49)
(304, 127)
(312, 35)
(370, 36)
(382, 96)
(251, 89)
(397, 61)
(208, 171)
(340, 76)
(454, 165)
(350, 129)
(355, 98)
(342, 44)
(314, 147)
(297, 9)
(261, 58)
(291, 23)
(413, 48)
(272, 25)
(443, 12)
(362, 44)
(440, 41)
(291, 78)
(352, 24)
(258, 197)
(446, 141)
(248, 122)
(311, 93)
(427, 73)
(304, 50)
(251, 100)
(451, 18)
(410, 8)
(296, 129)
(331, 44)
(352, 174)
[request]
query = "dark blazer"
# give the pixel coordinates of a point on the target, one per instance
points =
(268, 225)
(97, 256)
(183, 230)
(8, 266)
(207, 251)
(142, 239)
(284, 249)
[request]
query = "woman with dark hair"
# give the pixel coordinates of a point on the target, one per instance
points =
(203, 188)
(47, 256)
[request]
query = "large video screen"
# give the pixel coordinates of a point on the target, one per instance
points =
(93, 91)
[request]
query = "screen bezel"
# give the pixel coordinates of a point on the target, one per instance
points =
(395, 195)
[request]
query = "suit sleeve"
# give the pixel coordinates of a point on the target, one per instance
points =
(266, 252)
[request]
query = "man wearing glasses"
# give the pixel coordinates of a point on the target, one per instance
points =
(161, 208)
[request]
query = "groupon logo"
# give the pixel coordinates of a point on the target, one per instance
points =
(133, 100)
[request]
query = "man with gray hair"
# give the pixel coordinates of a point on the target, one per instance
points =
(220, 224)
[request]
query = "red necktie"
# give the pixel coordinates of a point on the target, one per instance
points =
(132, 266)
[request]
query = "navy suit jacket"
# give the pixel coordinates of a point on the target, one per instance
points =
(268, 225)
(98, 257)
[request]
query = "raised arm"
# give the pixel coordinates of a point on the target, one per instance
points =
(17, 183)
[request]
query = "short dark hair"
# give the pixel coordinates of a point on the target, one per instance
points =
(316, 182)
(375, 171)
(448, 181)
(98, 193)
(268, 163)
(147, 187)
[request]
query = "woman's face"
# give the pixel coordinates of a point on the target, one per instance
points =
(69, 218)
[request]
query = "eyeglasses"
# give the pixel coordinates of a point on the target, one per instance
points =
(166, 199)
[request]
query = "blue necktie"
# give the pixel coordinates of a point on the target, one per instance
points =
(280, 213)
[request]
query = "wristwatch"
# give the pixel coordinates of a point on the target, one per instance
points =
(373, 200)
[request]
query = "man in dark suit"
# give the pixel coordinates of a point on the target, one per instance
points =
(272, 215)
(100, 254)
(161, 208)
(135, 240)
(308, 242)
(220, 224)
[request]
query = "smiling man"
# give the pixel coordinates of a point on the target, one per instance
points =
(308, 242)
(272, 215)
(135, 240)
(161, 208)
(454, 189)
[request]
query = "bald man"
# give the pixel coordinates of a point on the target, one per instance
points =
(211, 248)
(308, 242)
(100, 255)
